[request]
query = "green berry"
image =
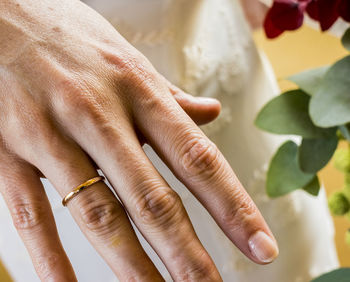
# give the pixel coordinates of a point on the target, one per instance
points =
(347, 180)
(342, 160)
(340, 135)
(346, 192)
(338, 204)
(347, 215)
(347, 237)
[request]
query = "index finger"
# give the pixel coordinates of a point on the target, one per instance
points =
(198, 163)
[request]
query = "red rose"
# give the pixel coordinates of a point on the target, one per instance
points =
(328, 12)
(284, 15)
(344, 10)
(270, 30)
(289, 14)
(312, 10)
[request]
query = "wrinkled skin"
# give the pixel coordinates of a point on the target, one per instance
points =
(75, 96)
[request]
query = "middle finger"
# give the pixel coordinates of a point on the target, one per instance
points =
(198, 163)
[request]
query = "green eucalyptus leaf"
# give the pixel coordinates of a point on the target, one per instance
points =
(314, 154)
(345, 132)
(330, 106)
(288, 114)
(313, 187)
(284, 174)
(338, 275)
(310, 80)
(346, 39)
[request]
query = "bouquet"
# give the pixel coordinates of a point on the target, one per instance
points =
(318, 111)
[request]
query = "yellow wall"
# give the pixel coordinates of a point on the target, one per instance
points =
(294, 52)
(4, 276)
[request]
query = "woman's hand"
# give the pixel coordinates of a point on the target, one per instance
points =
(76, 96)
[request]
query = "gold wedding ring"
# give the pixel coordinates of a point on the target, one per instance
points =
(80, 188)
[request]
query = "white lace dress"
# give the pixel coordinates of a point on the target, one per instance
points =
(205, 47)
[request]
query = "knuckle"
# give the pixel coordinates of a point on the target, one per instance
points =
(108, 131)
(45, 266)
(200, 157)
(138, 73)
(82, 103)
(152, 104)
(78, 98)
(240, 211)
(123, 61)
(27, 216)
(202, 270)
(26, 125)
(130, 64)
(158, 206)
(41, 138)
(70, 92)
(101, 217)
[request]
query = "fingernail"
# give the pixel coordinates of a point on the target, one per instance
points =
(263, 247)
(206, 100)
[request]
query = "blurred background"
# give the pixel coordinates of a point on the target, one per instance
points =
(294, 52)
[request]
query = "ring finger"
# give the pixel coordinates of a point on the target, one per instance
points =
(97, 211)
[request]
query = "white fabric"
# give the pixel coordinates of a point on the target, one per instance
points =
(205, 47)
